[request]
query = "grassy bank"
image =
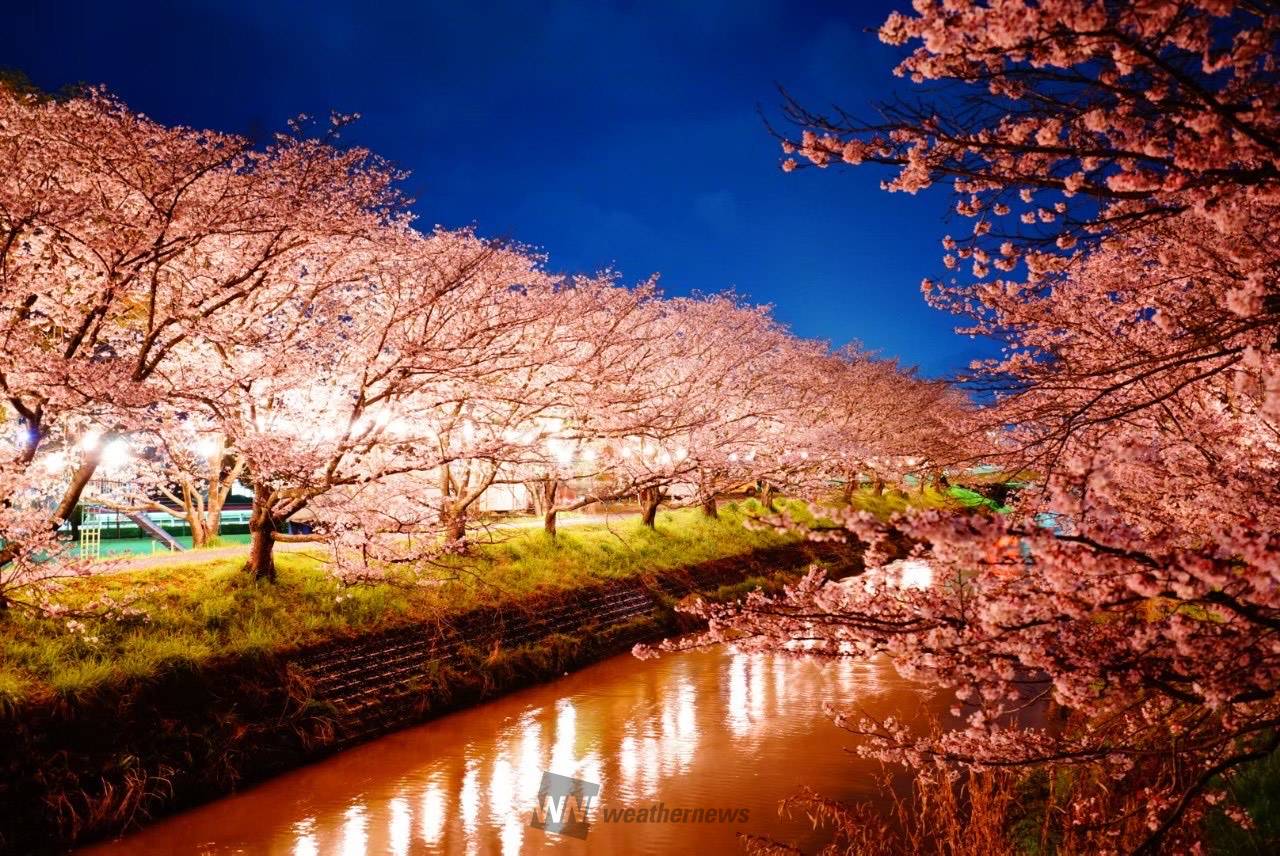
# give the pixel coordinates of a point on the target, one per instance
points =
(227, 682)
(137, 624)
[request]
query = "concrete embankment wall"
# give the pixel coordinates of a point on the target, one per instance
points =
(78, 769)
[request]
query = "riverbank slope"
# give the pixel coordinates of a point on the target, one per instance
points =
(107, 731)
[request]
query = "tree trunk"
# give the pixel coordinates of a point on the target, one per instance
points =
(456, 526)
(650, 499)
(766, 496)
(879, 487)
(262, 540)
(212, 524)
(548, 488)
(709, 508)
(262, 563)
(850, 484)
(199, 535)
(79, 481)
(70, 498)
(220, 484)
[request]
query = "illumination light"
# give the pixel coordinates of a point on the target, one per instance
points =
(115, 454)
(914, 573)
(207, 447)
(55, 462)
(560, 450)
(90, 440)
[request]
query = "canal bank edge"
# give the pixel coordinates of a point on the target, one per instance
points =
(76, 770)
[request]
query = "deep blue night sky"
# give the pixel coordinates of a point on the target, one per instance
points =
(620, 134)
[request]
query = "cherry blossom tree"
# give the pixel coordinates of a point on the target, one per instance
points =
(710, 385)
(759, 381)
(177, 467)
(534, 422)
(119, 240)
(1127, 154)
(348, 399)
(640, 381)
(603, 341)
(1148, 613)
(1072, 120)
(873, 421)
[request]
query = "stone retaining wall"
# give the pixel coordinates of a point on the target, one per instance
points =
(376, 685)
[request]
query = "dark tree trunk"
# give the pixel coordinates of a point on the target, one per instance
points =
(709, 507)
(879, 487)
(650, 499)
(262, 541)
(262, 563)
(549, 522)
(766, 496)
(72, 495)
(850, 484)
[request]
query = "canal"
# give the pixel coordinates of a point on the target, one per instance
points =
(715, 729)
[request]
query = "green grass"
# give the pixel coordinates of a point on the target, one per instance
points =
(209, 607)
(893, 501)
(1256, 789)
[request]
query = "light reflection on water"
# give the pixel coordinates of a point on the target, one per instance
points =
(717, 729)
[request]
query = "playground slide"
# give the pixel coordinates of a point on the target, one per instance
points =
(145, 524)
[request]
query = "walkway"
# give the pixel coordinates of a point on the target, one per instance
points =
(233, 551)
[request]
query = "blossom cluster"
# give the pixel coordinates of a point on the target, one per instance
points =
(1121, 162)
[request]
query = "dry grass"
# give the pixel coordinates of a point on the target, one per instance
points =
(965, 816)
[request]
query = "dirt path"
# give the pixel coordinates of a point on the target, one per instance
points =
(185, 557)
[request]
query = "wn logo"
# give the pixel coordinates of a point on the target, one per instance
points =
(563, 805)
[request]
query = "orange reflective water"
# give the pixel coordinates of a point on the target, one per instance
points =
(715, 729)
